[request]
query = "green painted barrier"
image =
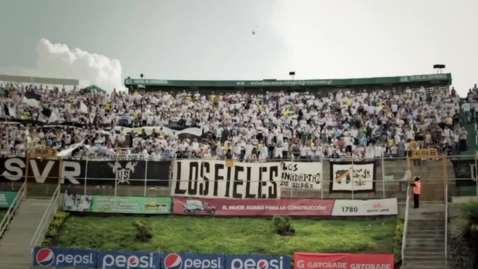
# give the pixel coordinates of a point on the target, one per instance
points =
(7, 198)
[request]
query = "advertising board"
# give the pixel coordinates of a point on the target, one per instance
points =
(192, 261)
(257, 261)
(360, 208)
(117, 204)
(343, 261)
(64, 257)
(252, 207)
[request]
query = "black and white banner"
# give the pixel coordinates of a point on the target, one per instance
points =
(301, 175)
(352, 177)
(213, 179)
(93, 172)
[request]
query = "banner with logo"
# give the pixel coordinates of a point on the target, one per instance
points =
(352, 177)
(252, 207)
(213, 179)
(301, 175)
(64, 257)
(76, 172)
(257, 261)
(128, 260)
(304, 260)
(117, 204)
(465, 172)
(192, 261)
(7, 198)
(359, 208)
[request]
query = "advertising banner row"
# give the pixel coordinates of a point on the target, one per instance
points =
(229, 207)
(196, 178)
(343, 260)
(89, 258)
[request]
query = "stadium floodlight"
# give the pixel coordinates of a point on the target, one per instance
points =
(439, 67)
(141, 75)
(292, 74)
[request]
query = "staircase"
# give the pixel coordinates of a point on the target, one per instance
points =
(425, 240)
(15, 248)
(470, 140)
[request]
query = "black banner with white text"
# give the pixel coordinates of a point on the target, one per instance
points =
(465, 172)
(75, 172)
(213, 179)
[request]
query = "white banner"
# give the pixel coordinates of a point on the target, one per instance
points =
(301, 175)
(357, 208)
(348, 177)
(213, 179)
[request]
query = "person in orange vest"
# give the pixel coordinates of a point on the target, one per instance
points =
(417, 190)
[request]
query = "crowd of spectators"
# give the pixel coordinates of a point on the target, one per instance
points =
(242, 126)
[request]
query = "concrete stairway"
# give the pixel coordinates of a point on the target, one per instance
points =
(15, 249)
(425, 242)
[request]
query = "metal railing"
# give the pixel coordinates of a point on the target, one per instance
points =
(152, 178)
(46, 218)
(11, 210)
(405, 224)
(446, 226)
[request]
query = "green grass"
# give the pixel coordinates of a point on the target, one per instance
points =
(228, 235)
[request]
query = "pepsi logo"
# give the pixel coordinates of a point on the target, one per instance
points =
(262, 264)
(45, 257)
(133, 260)
(173, 261)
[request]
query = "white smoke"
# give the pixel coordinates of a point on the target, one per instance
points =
(59, 61)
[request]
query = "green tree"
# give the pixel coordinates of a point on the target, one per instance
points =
(470, 214)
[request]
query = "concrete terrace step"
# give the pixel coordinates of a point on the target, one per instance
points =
(432, 249)
(15, 249)
(15, 265)
(440, 236)
(424, 264)
(436, 258)
(426, 231)
(426, 225)
(424, 243)
(424, 254)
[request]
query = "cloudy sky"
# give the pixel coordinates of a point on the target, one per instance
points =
(212, 39)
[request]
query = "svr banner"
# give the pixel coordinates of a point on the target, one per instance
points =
(213, 179)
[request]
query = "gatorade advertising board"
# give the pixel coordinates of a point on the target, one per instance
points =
(343, 261)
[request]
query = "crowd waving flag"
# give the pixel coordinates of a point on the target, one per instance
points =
(32, 99)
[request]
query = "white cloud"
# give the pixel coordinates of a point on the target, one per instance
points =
(55, 60)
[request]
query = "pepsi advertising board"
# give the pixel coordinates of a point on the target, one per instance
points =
(192, 261)
(64, 257)
(90, 258)
(128, 260)
(257, 262)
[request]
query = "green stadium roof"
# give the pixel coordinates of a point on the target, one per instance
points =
(442, 78)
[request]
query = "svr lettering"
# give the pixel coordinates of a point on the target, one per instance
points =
(14, 170)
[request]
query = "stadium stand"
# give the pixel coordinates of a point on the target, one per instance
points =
(257, 120)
